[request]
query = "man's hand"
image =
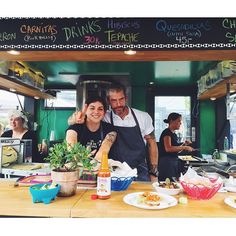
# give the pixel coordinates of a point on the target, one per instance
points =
(153, 178)
(78, 117)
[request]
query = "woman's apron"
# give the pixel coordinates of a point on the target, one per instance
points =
(130, 147)
(168, 167)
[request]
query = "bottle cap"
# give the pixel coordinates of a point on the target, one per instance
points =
(94, 196)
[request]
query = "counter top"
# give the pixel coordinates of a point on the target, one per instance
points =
(115, 207)
(16, 201)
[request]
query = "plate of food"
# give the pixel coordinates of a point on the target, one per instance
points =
(230, 201)
(150, 200)
(187, 158)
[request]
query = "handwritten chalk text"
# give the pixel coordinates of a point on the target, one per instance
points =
(113, 37)
(38, 29)
(80, 31)
(4, 36)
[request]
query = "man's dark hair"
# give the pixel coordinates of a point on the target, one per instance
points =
(117, 87)
(96, 99)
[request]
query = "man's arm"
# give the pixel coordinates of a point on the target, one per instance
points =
(153, 155)
(78, 116)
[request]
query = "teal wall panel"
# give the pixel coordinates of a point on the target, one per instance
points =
(207, 127)
(49, 120)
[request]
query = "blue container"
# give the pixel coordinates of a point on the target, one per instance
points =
(120, 183)
(43, 195)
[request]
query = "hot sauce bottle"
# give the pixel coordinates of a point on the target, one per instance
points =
(104, 179)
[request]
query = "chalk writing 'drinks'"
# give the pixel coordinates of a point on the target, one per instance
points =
(119, 25)
(38, 29)
(113, 37)
(79, 31)
(4, 36)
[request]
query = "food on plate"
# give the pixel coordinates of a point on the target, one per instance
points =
(168, 184)
(27, 166)
(187, 158)
(150, 199)
(183, 200)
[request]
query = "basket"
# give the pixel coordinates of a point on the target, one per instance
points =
(200, 192)
(120, 183)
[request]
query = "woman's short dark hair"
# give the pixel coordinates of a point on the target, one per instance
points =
(96, 99)
(172, 116)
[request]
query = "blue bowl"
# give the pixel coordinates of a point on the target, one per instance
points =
(43, 195)
(120, 183)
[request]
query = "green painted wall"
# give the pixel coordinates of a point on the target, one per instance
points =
(49, 120)
(207, 127)
(139, 98)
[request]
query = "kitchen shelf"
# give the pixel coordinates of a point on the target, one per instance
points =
(8, 83)
(220, 89)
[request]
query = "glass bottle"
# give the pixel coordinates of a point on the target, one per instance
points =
(104, 179)
(226, 143)
(216, 154)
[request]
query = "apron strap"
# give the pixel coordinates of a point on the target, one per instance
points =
(135, 119)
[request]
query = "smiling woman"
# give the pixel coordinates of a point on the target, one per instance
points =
(91, 130)
(8, 102)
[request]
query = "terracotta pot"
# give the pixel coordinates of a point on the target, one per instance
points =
(67, 180)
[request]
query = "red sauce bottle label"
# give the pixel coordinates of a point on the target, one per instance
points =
(104, 187)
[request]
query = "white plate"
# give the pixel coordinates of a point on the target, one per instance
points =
(165, 201)
(230, 189)
(230, 201)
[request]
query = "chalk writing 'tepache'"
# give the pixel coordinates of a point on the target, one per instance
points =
(113, 37)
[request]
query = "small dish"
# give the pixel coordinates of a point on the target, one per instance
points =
(43, 195)
(168, 191)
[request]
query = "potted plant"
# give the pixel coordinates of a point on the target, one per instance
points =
(65, 161)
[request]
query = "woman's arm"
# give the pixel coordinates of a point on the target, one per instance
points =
(170, 148)
(71, 136)
(106, 145)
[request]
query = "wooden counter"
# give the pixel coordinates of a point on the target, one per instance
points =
(115, 207)
(17, 201)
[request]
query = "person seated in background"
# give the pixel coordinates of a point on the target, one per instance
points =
(93, 133)
(169, 148)
(1, 129)
(19, 129)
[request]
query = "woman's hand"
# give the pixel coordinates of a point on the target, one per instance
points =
(187, 142)
(188, 148)
(78, 117)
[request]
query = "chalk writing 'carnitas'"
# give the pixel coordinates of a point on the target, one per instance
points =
(38, 29)
(79, 31)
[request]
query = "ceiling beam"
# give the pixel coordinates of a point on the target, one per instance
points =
(171, 55)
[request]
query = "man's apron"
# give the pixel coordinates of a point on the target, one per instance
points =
(130, 148)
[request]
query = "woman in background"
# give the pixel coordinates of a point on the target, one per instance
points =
(19, 129)
(169, 148)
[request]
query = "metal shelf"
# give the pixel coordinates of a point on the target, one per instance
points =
(8, 83)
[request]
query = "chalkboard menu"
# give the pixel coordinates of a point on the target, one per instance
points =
(117, 33)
